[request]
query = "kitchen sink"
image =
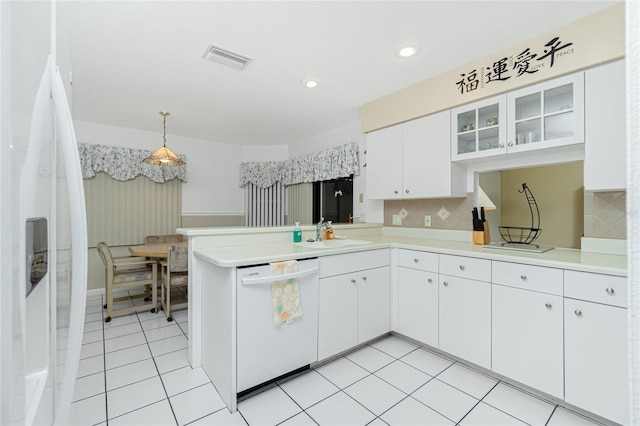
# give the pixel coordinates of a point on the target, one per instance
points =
(325, 244)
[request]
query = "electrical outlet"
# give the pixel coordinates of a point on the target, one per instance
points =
(427, 220)
(361, 198)
(397, 219)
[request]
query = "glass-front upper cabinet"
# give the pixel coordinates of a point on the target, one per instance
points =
(478, 129)
(546, 114)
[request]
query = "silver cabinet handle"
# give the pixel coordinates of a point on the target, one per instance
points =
(501, 145)
(610, 290)
(364, 278)
(578, 312)
(523, 277)
(429, 280)
(353, 281)
(510, 144)
(462, 267)
(406, 190)
(548, 305)
(416, 260)
(445, 283)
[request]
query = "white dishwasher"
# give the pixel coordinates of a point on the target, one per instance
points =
(266, 351)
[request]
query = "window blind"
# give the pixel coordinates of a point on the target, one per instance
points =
(123, 213)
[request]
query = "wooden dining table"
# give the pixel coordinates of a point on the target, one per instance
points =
(159, 250)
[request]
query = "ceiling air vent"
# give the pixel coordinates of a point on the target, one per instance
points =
(226, 57)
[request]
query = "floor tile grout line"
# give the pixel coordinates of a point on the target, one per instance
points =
(304, 410)
(552, 413)
(164, 388)
(397, 403)
(374, 414)
(467, 413)
(432, 408)
(136, 409)
(210, 414)
(511, 414)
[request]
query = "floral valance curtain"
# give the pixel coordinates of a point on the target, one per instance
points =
(125, 163)
(341, 161)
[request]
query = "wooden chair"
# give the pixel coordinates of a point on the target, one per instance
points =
(174, 273)
(127, 272)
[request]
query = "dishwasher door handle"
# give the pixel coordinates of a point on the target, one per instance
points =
(269, 279)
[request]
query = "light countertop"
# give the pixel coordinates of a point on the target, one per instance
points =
(574, 259)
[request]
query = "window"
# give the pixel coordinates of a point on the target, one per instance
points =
(333, 200)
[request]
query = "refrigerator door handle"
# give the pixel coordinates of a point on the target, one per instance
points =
(77, 216)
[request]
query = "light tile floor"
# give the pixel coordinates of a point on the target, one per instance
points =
(134, 371)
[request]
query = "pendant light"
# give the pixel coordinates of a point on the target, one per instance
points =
(164, 156)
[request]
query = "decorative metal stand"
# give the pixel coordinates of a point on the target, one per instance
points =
(521, 235)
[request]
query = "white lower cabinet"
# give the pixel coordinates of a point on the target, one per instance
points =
(596, 365)
(373, 303)
(526, 325)
(418, 305)
(353, 304)
(337, 314)
(527, 341)
(465, 319)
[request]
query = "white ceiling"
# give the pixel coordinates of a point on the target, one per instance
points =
(132, 59)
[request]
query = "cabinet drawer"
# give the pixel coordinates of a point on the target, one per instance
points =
(536, 278)
(421, 260)
(352, 262)
(599, 288)
(465, 267)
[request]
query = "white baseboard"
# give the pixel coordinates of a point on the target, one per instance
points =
(95, 292)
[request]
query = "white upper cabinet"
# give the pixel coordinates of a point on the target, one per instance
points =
(544, 115)
(479, 129)
(412, 160)
(547, 114)
(605, 151)
(384, 163)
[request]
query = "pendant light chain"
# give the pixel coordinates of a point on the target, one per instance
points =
(164, 156)
(164, 126)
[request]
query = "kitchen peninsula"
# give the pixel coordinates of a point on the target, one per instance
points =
(470, 284)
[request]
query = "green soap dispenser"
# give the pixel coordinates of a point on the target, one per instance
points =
(297, 233)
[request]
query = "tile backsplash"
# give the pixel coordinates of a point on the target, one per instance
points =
(604, 213)
(446, 213)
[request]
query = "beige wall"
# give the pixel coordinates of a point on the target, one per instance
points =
(596, 39)
(558, 192)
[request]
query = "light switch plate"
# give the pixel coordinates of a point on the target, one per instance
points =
(361, 198)
(427, 220)
(397, 219)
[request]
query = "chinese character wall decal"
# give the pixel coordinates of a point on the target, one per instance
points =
(496, 73)
(523, 61)
(554, 46)
(470, 84)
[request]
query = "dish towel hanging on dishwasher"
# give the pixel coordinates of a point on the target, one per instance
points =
(285, 293)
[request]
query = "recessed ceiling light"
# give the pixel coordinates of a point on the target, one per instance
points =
(407, 51)
(310, 83)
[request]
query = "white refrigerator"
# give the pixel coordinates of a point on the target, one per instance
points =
(43, 247)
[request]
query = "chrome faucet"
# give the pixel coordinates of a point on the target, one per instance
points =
(319, 228)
